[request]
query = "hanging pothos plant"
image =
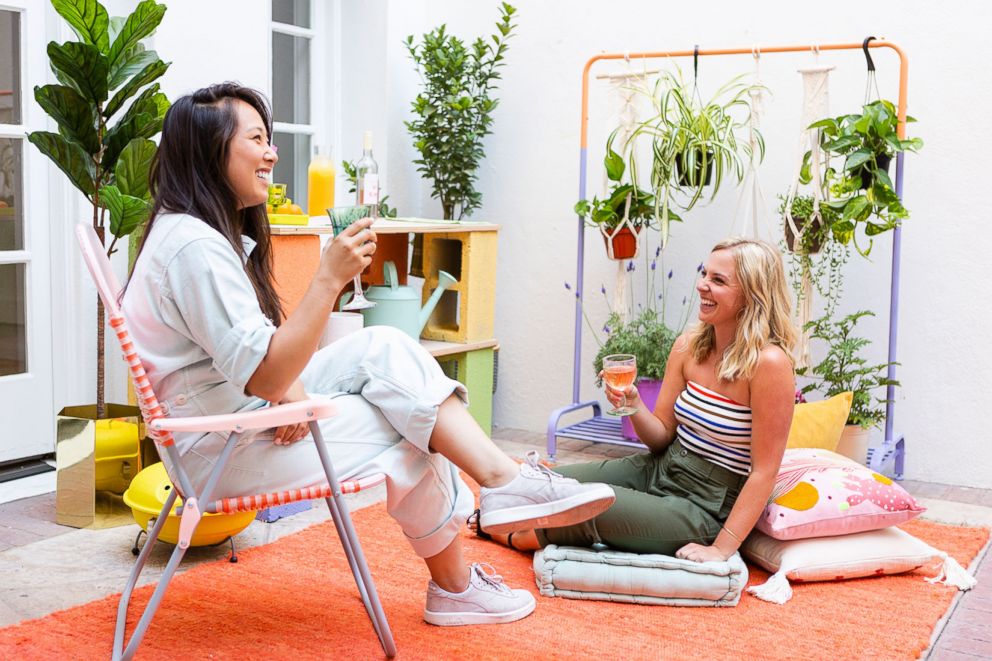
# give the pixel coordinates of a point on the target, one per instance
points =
(862, 188)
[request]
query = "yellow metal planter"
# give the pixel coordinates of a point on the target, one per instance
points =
(147, 494)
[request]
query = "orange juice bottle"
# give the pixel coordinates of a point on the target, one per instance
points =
(320, 182)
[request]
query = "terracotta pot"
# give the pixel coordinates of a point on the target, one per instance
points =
(624, 243)
(814, 227)
(649, 390)
(854, 443)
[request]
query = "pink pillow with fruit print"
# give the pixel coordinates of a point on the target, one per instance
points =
(820, 493)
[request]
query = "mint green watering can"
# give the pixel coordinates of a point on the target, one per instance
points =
(399, 306)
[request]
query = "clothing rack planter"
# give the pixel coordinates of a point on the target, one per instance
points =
(604, 429)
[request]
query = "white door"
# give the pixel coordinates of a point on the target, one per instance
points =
(27, 425)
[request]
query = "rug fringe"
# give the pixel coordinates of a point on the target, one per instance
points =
(776, 589)
(953, 574)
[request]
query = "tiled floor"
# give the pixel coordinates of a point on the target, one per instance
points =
(46, 567)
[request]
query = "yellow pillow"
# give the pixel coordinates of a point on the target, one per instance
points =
(820, 424)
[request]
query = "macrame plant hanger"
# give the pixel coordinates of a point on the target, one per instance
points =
(625, 87)
(751, 214)
(816, 106)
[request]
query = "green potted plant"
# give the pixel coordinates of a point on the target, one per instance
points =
(622, 213)
(106, 161)
(453, 114)
(649, 340)
(862, 189)
(844, 369)
(107, 107)
(817, 257)
(694, 144)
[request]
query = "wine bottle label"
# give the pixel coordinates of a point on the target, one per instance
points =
(370, 188)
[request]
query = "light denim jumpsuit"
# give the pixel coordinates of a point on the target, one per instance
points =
(198, 328)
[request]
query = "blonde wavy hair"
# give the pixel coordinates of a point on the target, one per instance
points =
(765, 318)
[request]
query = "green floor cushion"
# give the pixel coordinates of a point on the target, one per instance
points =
(577, 573)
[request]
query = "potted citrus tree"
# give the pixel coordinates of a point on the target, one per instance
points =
(107, 107)
(845, 369)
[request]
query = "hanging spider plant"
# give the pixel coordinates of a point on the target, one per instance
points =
(694, 144)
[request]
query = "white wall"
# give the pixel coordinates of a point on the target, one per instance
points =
(529, 178)
(529, 183)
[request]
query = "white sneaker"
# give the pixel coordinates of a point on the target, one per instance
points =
(486, 600)
(541, 498)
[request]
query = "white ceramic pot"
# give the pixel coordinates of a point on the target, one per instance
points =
(854, 443)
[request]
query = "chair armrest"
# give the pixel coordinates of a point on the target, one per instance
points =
(274, 416)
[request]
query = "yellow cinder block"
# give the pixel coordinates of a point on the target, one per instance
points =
(466, 311)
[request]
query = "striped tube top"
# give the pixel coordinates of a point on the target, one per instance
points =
(714, 427)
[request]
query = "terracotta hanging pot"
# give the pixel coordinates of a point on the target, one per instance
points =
(621, 243)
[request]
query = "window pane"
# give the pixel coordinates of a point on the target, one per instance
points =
(11, 194)
(13, 343)
(10, 67)
(293, 12)
(290, 79)
(294, 158)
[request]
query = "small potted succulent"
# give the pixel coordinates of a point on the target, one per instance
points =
(844, 369)
(817, 256)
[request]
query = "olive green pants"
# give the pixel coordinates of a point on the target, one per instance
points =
(664, 501)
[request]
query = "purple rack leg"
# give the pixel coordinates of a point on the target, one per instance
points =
(892, 446)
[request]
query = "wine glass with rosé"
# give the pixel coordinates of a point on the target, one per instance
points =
(620, 370)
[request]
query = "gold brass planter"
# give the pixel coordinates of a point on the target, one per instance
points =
(95, 462)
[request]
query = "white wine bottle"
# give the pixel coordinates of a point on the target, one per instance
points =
(367, 177)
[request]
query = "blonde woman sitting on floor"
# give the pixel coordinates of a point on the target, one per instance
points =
(718, 432)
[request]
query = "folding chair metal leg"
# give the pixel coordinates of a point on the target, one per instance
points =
(353, 548)
(132, 578)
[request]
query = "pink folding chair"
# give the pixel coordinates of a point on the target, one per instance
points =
(197, 502)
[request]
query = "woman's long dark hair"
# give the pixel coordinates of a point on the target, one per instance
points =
(189, 175)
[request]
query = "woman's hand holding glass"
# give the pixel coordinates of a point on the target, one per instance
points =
(349, 253)
(619, 373)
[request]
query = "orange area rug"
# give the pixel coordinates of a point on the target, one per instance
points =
(295, 599)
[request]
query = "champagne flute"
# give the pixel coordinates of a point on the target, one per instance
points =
(620, 370)
(341, 218)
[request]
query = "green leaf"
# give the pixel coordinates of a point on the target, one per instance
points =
(857, 158)
(614, 165)
(149, 102)
(68, 156)
(134, 61)
(75, 117)
(855, 207)
(82, 67)
(874, 229)
(140, 24)
(147, 75)
(133, 166)
(117, 138)
(88, 19)
(883, 176)
(126, 212)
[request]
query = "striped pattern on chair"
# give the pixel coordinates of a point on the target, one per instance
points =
(151, 410)
(261, 501)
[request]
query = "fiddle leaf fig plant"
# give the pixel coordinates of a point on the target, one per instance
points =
(107, 107)
(862, 188)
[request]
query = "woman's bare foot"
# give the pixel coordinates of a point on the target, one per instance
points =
(524, 540)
